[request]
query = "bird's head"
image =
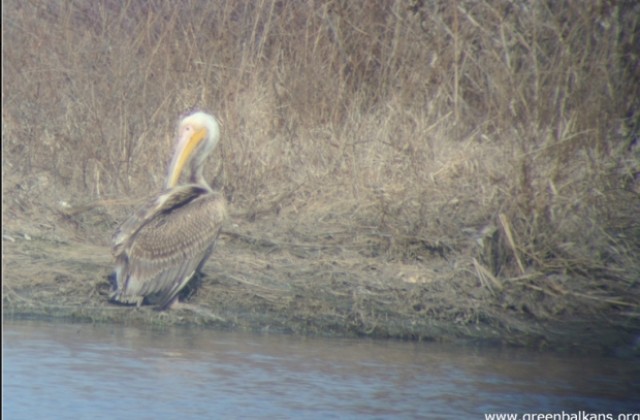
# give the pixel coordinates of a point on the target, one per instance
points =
(198, 135)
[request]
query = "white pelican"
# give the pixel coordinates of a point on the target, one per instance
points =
(166, 242)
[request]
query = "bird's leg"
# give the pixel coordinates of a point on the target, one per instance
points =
(173, 304)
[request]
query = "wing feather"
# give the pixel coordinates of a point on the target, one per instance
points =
(160, 247)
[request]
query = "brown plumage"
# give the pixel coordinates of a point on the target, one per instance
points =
(166, 242)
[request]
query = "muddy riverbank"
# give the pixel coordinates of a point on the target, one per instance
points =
(312, 284)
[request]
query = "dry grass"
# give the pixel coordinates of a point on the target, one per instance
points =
(496, 138)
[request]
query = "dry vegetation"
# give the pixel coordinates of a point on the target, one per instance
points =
(390, 164)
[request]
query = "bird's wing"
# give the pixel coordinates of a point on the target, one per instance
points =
(159, 248)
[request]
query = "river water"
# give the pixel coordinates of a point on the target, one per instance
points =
(84, 371)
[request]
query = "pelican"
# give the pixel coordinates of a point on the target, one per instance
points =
(160, 247)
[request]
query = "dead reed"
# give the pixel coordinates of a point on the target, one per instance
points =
(500, 136)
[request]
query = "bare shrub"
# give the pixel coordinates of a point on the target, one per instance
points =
(501, 135)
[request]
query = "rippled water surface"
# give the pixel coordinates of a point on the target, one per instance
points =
(83, 371)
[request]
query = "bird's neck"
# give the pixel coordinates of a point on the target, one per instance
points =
(197, 177)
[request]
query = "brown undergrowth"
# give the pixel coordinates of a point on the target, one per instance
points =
(401, 169)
